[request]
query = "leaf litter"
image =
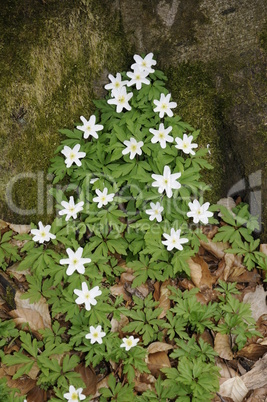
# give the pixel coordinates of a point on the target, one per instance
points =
(243, 373)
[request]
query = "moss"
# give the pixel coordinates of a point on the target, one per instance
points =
(214, 97)
(53, 53)
(192, 86)
(263, 37)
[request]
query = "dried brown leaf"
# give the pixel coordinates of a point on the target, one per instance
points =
(257, 300)
(234, 388)
(18, 274)
(35, 314)
(207, 337)
(20, 229)
(259, 395)
(164, 299)
(200, 273)
(222, 346)
(143, 382)
(116, 325)
(263, 248)
(156, 293)
(117, 290)
(156, 361)
(253, 351)
(37, 394)
(155, 347)
(89, 378)
(33, 373)
(24, 384)
(3, 225)
(257, 376)
(217, 249)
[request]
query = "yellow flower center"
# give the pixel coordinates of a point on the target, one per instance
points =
(87, 295)
(43, 234)
(103, 198)
(198, 212)
(164, 106)
(138, 77)
(121, 99)
(71, 209)
(156, 211)
(72, 155)
(117, 84)
(74, 396)
(161, 135)
(88, 128)
(143, 63)
(95, 334)
(129, 342)
(75, 261)
(133, 147)
(165, 181)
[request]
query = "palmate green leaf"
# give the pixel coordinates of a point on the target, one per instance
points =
(31, 346)
(180, 261)
(117, 245)
(227, 216)
(70, 362)
(16, 358)
(25, 369)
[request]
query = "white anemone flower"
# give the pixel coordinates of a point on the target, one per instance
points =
(174, 240)
(161, 135)
(75, 261)
(199, 212)
(145, 63)
(89, 127)
(103, 197)
(71, 209)
(155, 211)
(116, 83)
(73, 155)
(164, 105)
(87, 296)
(74, 395)
(129, 343)
(121, 99)
(185, 144)
(42, 234)
(132, 147)
(138, 77)
(166, 182)
(95, 334)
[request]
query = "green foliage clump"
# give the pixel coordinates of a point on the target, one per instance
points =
(128, 206)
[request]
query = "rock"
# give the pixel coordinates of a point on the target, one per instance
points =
(55, 58)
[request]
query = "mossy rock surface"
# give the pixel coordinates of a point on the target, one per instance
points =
(55, 58)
